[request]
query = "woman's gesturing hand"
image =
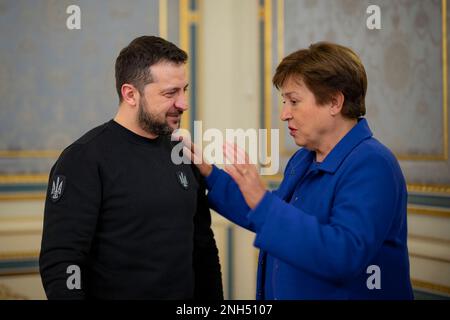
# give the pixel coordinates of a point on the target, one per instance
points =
(244, 174)
(192, 152)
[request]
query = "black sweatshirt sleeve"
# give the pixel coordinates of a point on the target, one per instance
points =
(71, 211)
(208, 277)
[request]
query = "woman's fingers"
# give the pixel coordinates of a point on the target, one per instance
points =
(242, 156)
(187, 143)
(191, 156)
(228, 153)
(235, 154)
(188, 150)
(195, 153)
(234, 173)
(238, 158)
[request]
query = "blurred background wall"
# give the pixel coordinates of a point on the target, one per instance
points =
(56, 83)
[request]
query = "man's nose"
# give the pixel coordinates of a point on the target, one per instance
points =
(181, 102)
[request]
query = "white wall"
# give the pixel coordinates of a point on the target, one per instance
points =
(228, 97)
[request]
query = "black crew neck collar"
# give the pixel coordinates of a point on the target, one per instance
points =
(134, 137)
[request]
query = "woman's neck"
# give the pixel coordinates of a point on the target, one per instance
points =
(329, 142)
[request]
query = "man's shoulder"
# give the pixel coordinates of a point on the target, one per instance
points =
(86, 146)
(92, 135)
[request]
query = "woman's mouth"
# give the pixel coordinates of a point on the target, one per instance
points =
(292, 131)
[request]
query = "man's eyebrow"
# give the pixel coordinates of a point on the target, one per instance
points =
(174, 89)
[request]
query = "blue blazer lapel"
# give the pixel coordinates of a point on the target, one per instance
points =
(293, 174)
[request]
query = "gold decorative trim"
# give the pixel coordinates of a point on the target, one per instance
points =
(184, 37)
(22, 272)
(193, 16)
(163, 19)
(20, 232)
(199, 50)
(20, 218)
(23, 178)
(188, 17)
(413, 157)
(261, 13)
(430, 286)
(30, 153)
(421, 157)
(445, 77)
(267, 18)
(184, 30)
(429, 211)
(184, 44)
(280, 52)
(424, 188)
(19, 255)
(22, 196)
(280, 29)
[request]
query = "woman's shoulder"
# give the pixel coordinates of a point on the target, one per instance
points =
(373, 151)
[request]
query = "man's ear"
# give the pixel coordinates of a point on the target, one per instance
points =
(337, 102)
(130, 94)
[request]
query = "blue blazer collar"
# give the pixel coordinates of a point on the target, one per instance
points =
(354, 137)
(301, 161)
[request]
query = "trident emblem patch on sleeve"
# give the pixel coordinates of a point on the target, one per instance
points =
(58, 184)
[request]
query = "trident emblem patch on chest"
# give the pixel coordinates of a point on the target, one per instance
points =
(182, 179)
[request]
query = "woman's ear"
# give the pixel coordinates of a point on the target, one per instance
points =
(337, 102)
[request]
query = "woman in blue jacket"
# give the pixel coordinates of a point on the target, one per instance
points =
(336, 227)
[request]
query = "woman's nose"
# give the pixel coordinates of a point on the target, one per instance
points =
(285, 113)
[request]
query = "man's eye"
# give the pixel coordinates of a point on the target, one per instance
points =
(293, 102)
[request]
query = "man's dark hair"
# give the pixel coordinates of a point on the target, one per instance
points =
(134, 61)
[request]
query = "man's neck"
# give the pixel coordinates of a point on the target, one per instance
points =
(129, 121)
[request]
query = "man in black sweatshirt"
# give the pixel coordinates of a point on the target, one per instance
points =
(122, 221)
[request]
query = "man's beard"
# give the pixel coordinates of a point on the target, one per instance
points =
(149, 123)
